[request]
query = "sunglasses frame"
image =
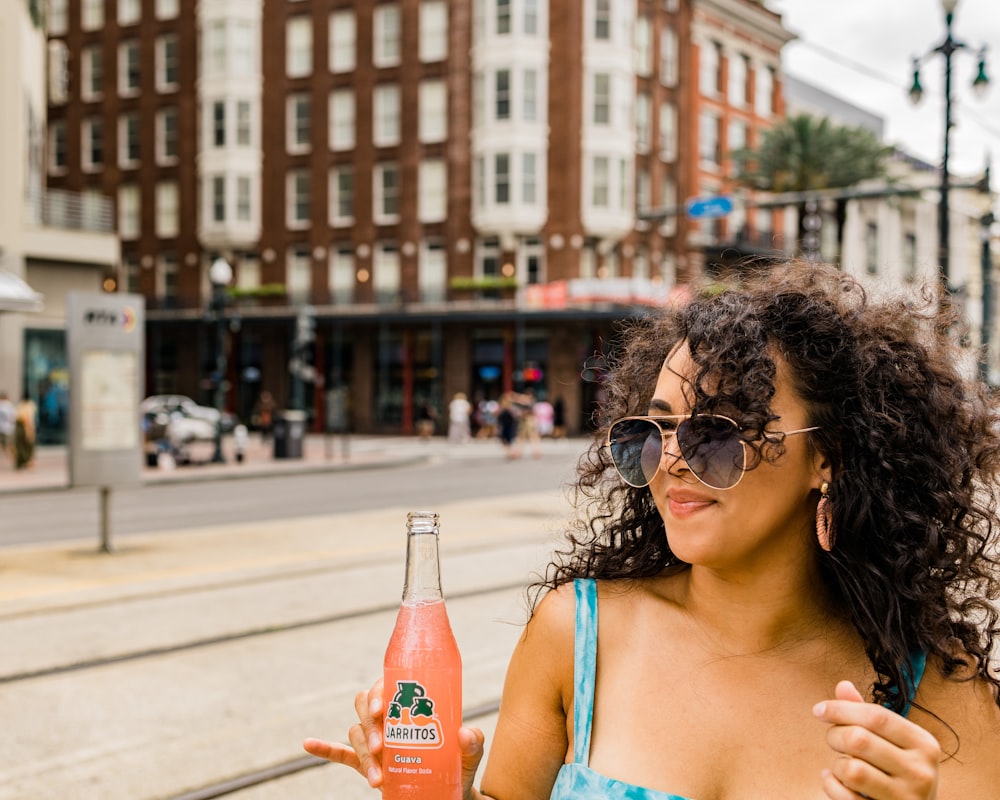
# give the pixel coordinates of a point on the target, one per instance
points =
(776, 437)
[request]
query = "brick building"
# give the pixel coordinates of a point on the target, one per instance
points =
(417, 197)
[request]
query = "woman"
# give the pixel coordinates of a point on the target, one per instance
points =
(794, 565)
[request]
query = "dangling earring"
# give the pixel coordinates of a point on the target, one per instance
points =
(824, 519)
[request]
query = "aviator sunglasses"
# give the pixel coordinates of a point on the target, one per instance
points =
(710, 444)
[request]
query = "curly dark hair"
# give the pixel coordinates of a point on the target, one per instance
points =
(913, 442)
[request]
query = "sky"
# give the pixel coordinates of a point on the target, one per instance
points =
(862, 52)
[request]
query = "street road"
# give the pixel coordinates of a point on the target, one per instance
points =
(477, 470)
(191, 663)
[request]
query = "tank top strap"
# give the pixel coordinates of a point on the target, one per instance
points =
(912, 673)
(584, 667)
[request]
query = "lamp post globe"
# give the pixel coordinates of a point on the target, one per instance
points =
(219, 274)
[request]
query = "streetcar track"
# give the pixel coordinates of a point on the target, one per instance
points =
(282, 574)
(211, 641)
(248, 780)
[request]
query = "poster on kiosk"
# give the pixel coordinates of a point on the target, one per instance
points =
(106, 345)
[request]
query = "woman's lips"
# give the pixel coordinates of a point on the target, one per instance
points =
(683, 503)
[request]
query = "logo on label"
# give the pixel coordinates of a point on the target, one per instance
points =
(410, 720)
(126, 318)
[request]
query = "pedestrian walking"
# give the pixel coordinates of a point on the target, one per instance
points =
(8, 415)
(459, 414)
(780, 578)
(25, 432)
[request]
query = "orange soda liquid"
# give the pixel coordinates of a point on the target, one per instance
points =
(423, 706)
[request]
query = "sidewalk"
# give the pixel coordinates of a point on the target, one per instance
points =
(50, 468)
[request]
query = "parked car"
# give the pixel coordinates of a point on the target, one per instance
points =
(179, 419)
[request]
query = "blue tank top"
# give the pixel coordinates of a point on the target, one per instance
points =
(577, 781)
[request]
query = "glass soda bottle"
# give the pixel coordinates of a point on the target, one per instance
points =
(423, 681)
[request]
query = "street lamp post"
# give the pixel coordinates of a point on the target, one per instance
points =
(947, 48)
(219, 274)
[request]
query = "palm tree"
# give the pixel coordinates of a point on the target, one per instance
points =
(805, 153)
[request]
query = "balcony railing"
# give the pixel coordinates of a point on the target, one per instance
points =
(74, 211)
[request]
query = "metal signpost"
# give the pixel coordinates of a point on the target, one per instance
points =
(106, 344)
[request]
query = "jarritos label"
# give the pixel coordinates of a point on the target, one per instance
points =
(411, 720)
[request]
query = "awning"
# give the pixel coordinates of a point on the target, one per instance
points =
(16, 295)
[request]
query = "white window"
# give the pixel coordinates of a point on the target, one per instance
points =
(166, 136)
(58, 143)
(433, 30)
(341, 202)
(386, 192)
(503, 17)
(668, 132)
(217, 120)
(167, 9)
(244, 124)
(432, 200)
(387, 36)
(92, 15)
(166, 277)
(299, 273)
(245, 45)
(501, 179)
(737, 140)
(738, 69)
(128, 12)
(218, 200)
(57, 17)
(479, 181)
(668, 57)
(166, 62)
(244, 198)
(92, 142)
(130, 268)
(488, 257)
(298, 193)
(342, 119)
(668, 199)
(214, 56)
(128, 68)
(298, 119)
(386, 124)
(298, 47)
(602, 19)
(386, 273)
(601, 189)
(58, 71)
(602, 98)
(478, 99)
(530, 17)
(128, 139)
(764, 91)
(92, 72)
(534, 260)
(501, 96)
(709, 144)
(710, 68)
(432, 271)
(529, 178)
(643, 46)
(341, 278)
(343, 37)
(529, 98)
(167, 209)
(128, 211)
(643, 122)
(248, 275)
(643, 190)
(433, 122)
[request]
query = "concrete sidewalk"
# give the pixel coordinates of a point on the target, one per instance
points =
(50, 467)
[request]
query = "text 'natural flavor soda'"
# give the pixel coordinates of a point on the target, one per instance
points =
(423, 680)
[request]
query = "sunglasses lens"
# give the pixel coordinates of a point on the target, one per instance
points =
(713, 450)
(636, 449)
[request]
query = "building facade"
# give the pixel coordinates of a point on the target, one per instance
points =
(416, 197)
(51, 241)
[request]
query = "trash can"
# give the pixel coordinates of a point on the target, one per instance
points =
(289, 431)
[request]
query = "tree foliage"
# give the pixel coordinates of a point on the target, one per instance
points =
(805, 153)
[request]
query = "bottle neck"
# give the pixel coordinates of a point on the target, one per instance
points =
(423, 569)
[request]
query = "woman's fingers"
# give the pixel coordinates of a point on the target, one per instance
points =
(332, 751)
(880, 754)
(471, 742)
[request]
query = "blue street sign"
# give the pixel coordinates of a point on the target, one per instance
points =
(709, 206)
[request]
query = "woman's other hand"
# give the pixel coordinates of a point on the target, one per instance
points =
(364, 754)
(879, 754)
